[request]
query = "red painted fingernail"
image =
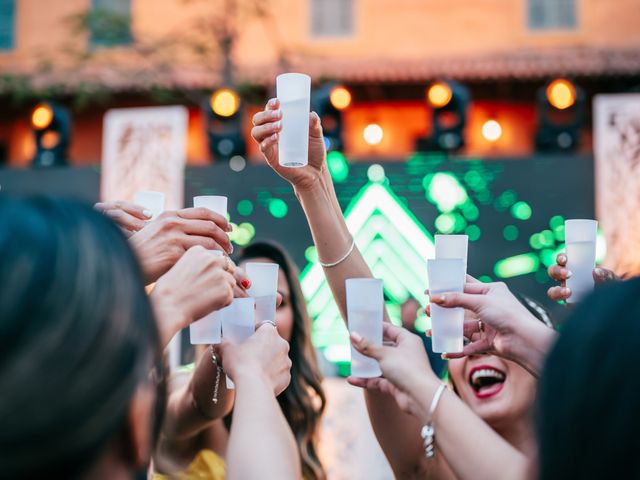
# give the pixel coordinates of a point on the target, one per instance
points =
(245, 283)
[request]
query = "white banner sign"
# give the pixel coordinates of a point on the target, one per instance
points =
(617, 169)
(144, 149)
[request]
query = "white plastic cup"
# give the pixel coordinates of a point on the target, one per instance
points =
(215, 203)
(152, 201)
(365, 302)
(264, 288)
(207, 330)
(294, 92)
(447, 324)
(580, 237)
(238, 323)
(452, 246)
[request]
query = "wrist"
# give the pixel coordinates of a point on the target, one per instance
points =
(170, 317)
(529, 344)
(423, 388)
(309, 186)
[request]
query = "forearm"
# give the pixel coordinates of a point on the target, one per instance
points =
(332, 239)
(192, 409)
(531, 345)
(169, 319)
(260, 432)
(472, 449)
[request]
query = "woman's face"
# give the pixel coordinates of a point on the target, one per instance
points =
(498, 390)
(284, 313)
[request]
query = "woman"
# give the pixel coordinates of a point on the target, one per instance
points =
(80, 341)
(589, 422)
(342, 260)
(195, 438)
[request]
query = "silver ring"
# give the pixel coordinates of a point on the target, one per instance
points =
(265, 322)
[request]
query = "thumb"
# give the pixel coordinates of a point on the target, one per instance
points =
(365, 346)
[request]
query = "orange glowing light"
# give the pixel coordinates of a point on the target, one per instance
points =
(340, 98)
(439, 94)
(42, 116)
(225, 102)
(561, 94)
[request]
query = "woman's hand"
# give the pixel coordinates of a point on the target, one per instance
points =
(508, 329)
(266, 132)
(264, 356)
(163, 241)
(404, 365)
(199, 283)
(560, 273)
(128, 216)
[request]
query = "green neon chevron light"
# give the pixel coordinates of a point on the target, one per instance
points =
(394, 244)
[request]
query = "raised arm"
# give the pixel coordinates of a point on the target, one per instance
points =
(261, 444)
(472, 449)
(314, 188)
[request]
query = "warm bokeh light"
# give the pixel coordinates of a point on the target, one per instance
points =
(492, 130)
(439, 94)
(50, 140)
(42, 116)
(340, 97)
(561, 94)
(373, 134)
(225, 102)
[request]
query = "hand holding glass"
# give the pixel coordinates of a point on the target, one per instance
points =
(580, 237)
(238, 323)
(294, 93)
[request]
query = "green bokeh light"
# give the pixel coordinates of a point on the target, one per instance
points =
(376, 173)
(556, 221)
(473, 231)
(278, 208)
(445, 223)
(485, 279)
(242, 234)
(445, 191)
(311, 254)
(338, 166)
(535, 241)
(517, 265)
(547, 238)
(245, 207)
(510, 233)
(459, 224)
(558, 232)
(521, 211)
(470, 212)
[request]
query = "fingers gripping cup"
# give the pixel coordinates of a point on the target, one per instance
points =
(294, 93)
(152, 201)
(238, 323)
(364, 313)
(207, 330)
(580, 237)
(447, 324)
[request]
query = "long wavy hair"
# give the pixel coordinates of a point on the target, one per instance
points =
(303, 401)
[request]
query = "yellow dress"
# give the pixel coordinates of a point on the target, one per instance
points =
(207, 465)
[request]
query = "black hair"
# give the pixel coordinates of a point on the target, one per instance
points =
(589, 399)
(78, 336)
(303, 401)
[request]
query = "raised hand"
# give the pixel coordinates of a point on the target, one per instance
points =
(401, 363)
(560, 273)
(199, 283)
(264, 356)
(128, 216)
(266, 132)
(163, 241)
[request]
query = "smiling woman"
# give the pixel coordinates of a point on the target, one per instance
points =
(499, 391)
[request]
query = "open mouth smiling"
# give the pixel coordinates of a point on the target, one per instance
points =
(486, 381)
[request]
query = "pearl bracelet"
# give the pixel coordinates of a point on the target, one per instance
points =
(428, 432)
